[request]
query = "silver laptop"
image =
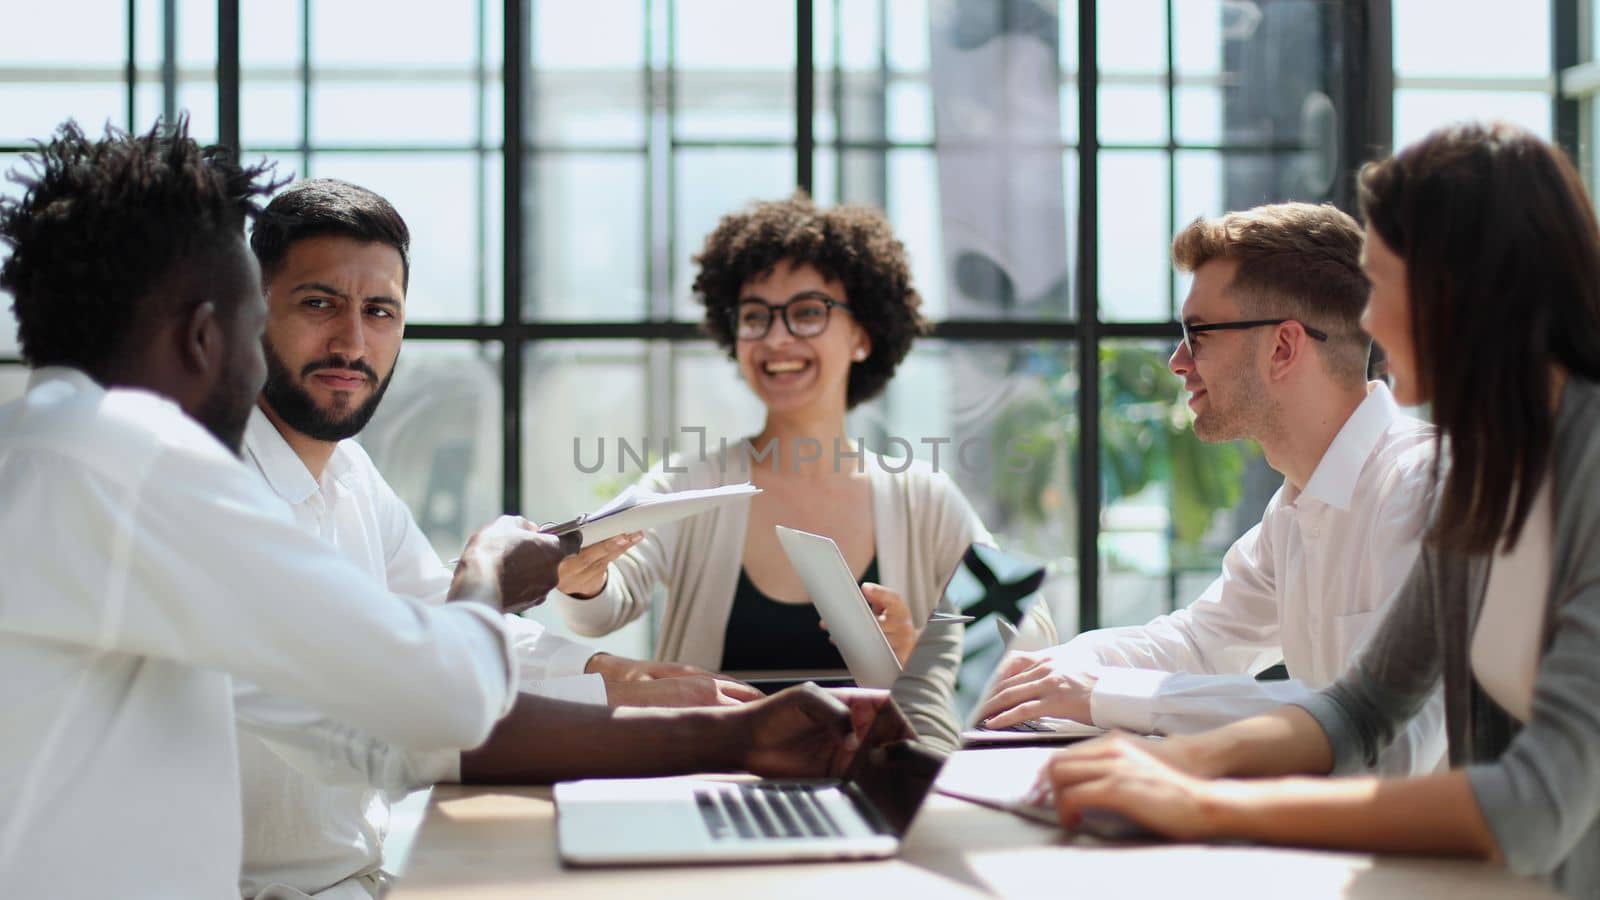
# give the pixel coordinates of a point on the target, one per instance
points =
(1001, 591)
(646, 821)
(851, 623)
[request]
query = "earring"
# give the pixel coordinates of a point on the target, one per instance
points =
(859, 355)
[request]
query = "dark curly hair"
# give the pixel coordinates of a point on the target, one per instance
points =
(103, 224)
(852, 245)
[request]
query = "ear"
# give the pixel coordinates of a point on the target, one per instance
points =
(1290, 347)
(201, 339)
(863, 348)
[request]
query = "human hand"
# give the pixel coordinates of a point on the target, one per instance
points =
(894, 619)
(622, 668)
(808, 732)
(583, 575)
(1127, 776)
(681, 690)
(1031, 685)
(510, 564)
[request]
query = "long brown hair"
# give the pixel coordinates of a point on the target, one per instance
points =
(1502, 258)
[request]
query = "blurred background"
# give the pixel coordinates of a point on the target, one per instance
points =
(559, 163)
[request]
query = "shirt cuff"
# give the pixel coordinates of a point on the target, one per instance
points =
(1125, 698)
(1342, 738)
(590, 689)
(568, 658)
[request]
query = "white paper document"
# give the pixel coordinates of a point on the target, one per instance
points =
(637, 509)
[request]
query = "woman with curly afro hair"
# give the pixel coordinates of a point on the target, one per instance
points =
(816, 308)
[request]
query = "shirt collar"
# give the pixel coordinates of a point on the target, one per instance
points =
(1334, 480)
(288, 476)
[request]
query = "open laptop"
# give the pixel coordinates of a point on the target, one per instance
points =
(1001, 591)
(648, 821)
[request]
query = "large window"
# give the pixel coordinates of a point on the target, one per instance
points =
(1035, 157)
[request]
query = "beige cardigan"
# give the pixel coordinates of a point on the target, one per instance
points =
(922, 523)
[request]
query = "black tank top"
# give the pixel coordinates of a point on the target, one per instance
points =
(764, 634)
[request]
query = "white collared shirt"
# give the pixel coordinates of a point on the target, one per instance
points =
(140, 564)
(310, 832)
(1306, 585)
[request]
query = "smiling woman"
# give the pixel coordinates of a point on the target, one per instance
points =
(817, 309)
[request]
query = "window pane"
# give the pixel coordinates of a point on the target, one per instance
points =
(269, 114)
(454, 272)
(380, 32)
(604, 35)
(1134, 238)
(437, 438)
(711, 184)
(589, 108)
(1472, 38)
(408, 112)
(588, 238)
(565, 432)
(1132, 111)
(34, 34)
(904, 183)
(13, 382)
(1173, 504)
(269, 37)
(1417, 112)
(1132, 35)
(32, 111)
(588, 72)
(735, 69)
(269, 73)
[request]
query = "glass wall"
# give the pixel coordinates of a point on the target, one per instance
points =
(1035, 158)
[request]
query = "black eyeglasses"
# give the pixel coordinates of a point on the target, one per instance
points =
(1189, 331)
(805, 316)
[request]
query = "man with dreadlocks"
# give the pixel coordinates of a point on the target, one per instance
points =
(142, 563)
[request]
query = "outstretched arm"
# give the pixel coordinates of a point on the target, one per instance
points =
(803, 731)
(1433, 814)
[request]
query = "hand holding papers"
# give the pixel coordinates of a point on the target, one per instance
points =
(609, 531)
(637, 509)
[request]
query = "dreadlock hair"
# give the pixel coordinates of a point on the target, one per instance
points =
(102, 228)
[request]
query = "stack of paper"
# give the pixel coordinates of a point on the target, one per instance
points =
(637, 509)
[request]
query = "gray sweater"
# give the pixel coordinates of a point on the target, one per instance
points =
(1538, 784)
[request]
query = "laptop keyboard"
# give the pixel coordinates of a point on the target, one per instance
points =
(765, 811)
(1033, 725)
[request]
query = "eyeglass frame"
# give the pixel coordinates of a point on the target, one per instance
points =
(1313, 333)
(776, 311)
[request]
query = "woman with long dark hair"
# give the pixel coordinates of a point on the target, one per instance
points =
(1484, 257)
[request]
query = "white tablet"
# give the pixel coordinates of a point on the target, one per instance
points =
(838, 598)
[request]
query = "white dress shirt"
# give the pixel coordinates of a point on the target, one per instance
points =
(140, 564)
(1508, 640)
(312, 832)
(1306, 585)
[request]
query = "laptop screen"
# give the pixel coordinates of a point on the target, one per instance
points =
(895, 774)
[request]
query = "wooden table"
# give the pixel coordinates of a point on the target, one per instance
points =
(499, 843)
